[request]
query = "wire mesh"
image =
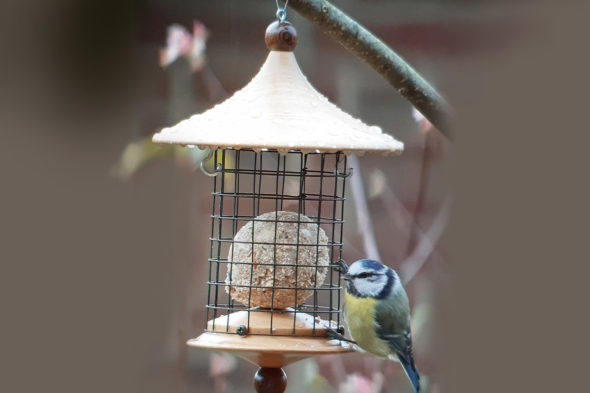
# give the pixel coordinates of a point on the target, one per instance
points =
(249, 184)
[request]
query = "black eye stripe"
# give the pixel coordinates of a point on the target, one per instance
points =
(364, 275)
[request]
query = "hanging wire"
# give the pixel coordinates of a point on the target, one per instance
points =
(282, 12)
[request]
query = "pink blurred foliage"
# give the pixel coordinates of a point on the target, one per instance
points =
(357, 383)
(181, 43)
(332, 368)
(220, 365)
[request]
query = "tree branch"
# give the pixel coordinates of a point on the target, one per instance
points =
(427, 244)
(362, 43)
(363, 217)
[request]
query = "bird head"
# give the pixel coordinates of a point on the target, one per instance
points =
(368, 278)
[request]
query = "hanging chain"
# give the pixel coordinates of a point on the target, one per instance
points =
(281, 12)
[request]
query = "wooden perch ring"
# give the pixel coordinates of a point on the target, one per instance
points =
(281, 36)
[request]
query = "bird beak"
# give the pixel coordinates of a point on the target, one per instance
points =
(346, 277)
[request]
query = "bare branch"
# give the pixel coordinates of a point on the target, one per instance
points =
(427, 243)
(362, 43)
(396, 210)
(365, 226)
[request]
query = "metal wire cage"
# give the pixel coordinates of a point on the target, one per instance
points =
(276, 242)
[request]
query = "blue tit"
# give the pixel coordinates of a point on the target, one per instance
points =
(377, 312)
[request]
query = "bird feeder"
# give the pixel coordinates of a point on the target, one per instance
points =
(279, 154)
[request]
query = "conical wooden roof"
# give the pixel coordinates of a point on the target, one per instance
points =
(279, 109)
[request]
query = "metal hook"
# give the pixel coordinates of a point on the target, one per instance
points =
(349, 174)
(281, 12)
(202, 165)
(344, 174)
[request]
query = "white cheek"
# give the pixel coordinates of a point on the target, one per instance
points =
(368, 288)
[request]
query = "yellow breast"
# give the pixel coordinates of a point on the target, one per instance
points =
(359, 314)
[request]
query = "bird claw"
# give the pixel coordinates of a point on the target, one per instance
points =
(333, 334)
(341, 267)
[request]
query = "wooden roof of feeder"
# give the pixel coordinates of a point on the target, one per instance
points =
(279, 109)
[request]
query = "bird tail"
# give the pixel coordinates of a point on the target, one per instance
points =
(411, 372)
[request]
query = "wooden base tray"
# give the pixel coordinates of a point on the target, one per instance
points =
(270, 351)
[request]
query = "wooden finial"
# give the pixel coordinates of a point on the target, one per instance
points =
(270, 380)
(281, 36)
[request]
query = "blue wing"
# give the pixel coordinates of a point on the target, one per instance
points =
(403, 350)
(392, 323)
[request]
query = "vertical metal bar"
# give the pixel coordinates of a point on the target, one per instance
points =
(342, 225)
(258, 194)
(317, 245)
(274, 260)
(219, 234)
(333, 225)
(301, 206)
(252, 239)
(211, 242)
(284, 176)
(230, 264)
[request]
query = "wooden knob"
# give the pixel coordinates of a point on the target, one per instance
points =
(270, 380)
(281, 36)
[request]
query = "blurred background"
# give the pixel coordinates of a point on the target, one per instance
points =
(107, 235)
